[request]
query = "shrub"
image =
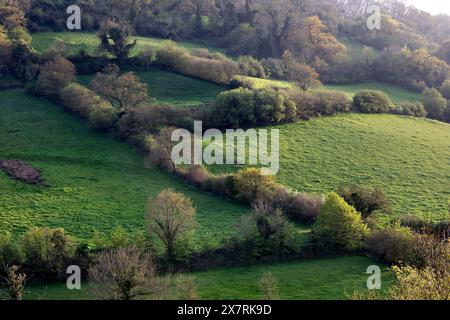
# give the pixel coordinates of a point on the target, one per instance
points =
(251, 184)
(171, 56)
(240, 82)
(393, 244)
(15, 282)
(9, 251)
(364, 199)
(24, 63)
(125, 274)
(304, 207)
(170, 216)
(434, 103)
(150, 119)
(161, 150)
(103, 117)
(318, 102)
(269, 222)
(197, 175)
(54, 76)
(412, 109)
(372, 101)
(185, 288)
(215, 67)
(114, 38)
(250, 66)
(414, 223)
(441, 230)
(269, 287)
(222, 185)
(331, 102)
(339, 226)
(124, 92)
(145, 57)
(304, 76)
(47, 250)
(445, 89)
(419, 284)
(246, 107)
(80, 100)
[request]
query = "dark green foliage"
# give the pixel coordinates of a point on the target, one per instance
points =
(247, 107)
(215, 68)
(412, 109)
(251, 67)
(114, 37)
(371, 101)
(434, 103)
(319, 102)
(393, 244)
(365, 200)
(339, 226)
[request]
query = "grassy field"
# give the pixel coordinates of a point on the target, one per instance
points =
(89, 42)
(408, 158)
(95, 182)
(172, 88)
(322, 279)
(397, 94)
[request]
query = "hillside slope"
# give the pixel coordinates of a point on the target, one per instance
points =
(94, 181)
(407, 157)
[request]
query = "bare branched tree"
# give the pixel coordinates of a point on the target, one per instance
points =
(170, 216)
(126, 274)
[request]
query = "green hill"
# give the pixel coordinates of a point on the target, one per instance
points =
(89, 42)
(172, 88)
(322, 279)
(396, 93)
(408, 158)
(94, 181)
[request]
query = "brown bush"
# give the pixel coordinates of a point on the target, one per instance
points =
(125, 92)
(211, 67)
(305, 207)
(197, 175)
(54, 76)
(80, 100)
(250, 184)
(393, 244)
(103, 117)
(161, 150)
(222, 185)
(365, 200)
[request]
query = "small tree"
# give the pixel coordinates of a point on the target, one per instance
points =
(250, 184)
(124, 92)
(445, 89)
(5, 50)
(304, 76)
(269, 222)
(186, 288)
(114, 37)
(15, 283)
(268, 285)
(125, 274)
(170, 215)
(161, 150)
(372, 101)
(339, 226)
(54, 76)
(434, 103)
(365, 200)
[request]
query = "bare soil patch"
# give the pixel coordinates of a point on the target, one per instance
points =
(21, 171)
